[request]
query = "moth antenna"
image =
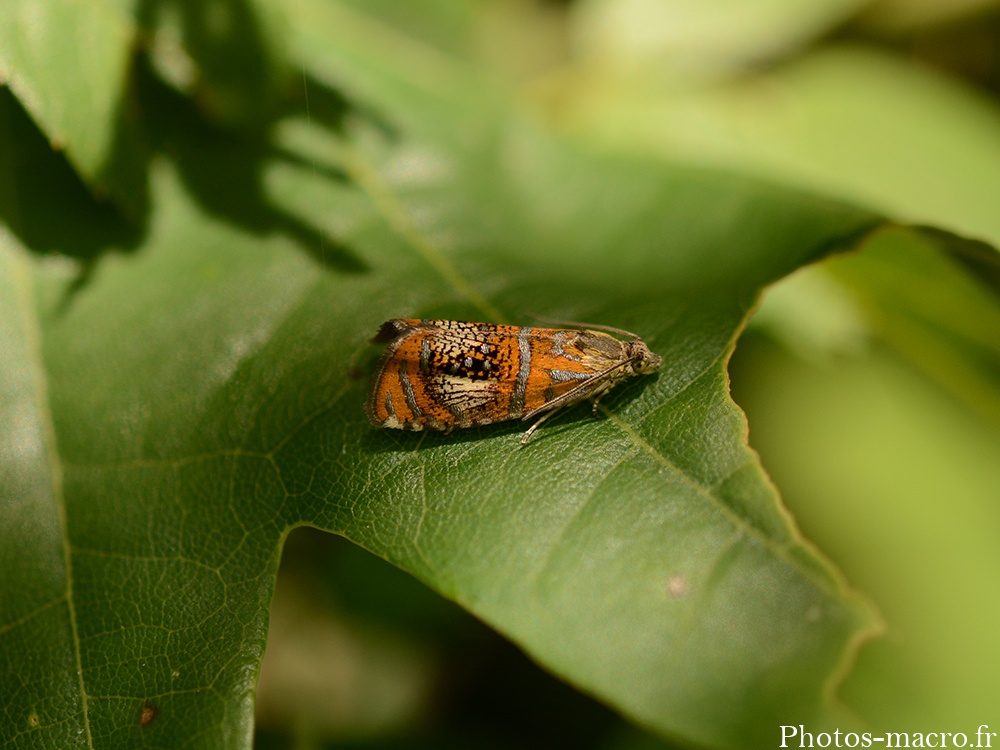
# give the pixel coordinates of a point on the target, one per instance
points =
(584, 326)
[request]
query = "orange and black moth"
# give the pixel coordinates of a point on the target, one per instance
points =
(443, 374)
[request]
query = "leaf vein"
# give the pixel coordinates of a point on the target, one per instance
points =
(25, 289)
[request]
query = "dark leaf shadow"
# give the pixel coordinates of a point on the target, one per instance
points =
(978, 258)
(222, 167)
(218, 129)
(217, 132)
(44, 201)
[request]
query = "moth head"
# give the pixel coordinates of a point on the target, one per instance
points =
(643, 360)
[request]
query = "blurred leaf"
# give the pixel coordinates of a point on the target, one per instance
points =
(67, 62)
(849, 122)
(682, 40)
(446, 25)
(813, 315)
(906, 15)
(931, 295)
(932, 309)
(899, 484)
(327, 674)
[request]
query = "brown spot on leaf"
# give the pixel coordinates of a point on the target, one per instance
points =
(148, 714)
(676, 586)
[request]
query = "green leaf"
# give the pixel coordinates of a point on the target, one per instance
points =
(935, 298)
(203, 405)
(67, 62)
(687, 39)
(898, 482)
(847, 121)
(184, 402)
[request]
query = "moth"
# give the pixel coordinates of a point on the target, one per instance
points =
(444, 374)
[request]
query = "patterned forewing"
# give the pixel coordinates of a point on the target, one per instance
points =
(442, 374)
(471, 373)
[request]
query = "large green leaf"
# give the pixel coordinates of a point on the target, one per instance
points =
(178, 406)
(201, 395)
(848, 121)
(681, 40)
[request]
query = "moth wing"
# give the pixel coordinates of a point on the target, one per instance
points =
(473, 339)
(592, 363)
(471, 398)
(462, 393)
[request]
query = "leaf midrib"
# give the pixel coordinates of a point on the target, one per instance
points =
(367, 177)
(25, 295)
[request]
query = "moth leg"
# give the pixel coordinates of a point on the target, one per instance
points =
(595, 399)
(535, 426)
